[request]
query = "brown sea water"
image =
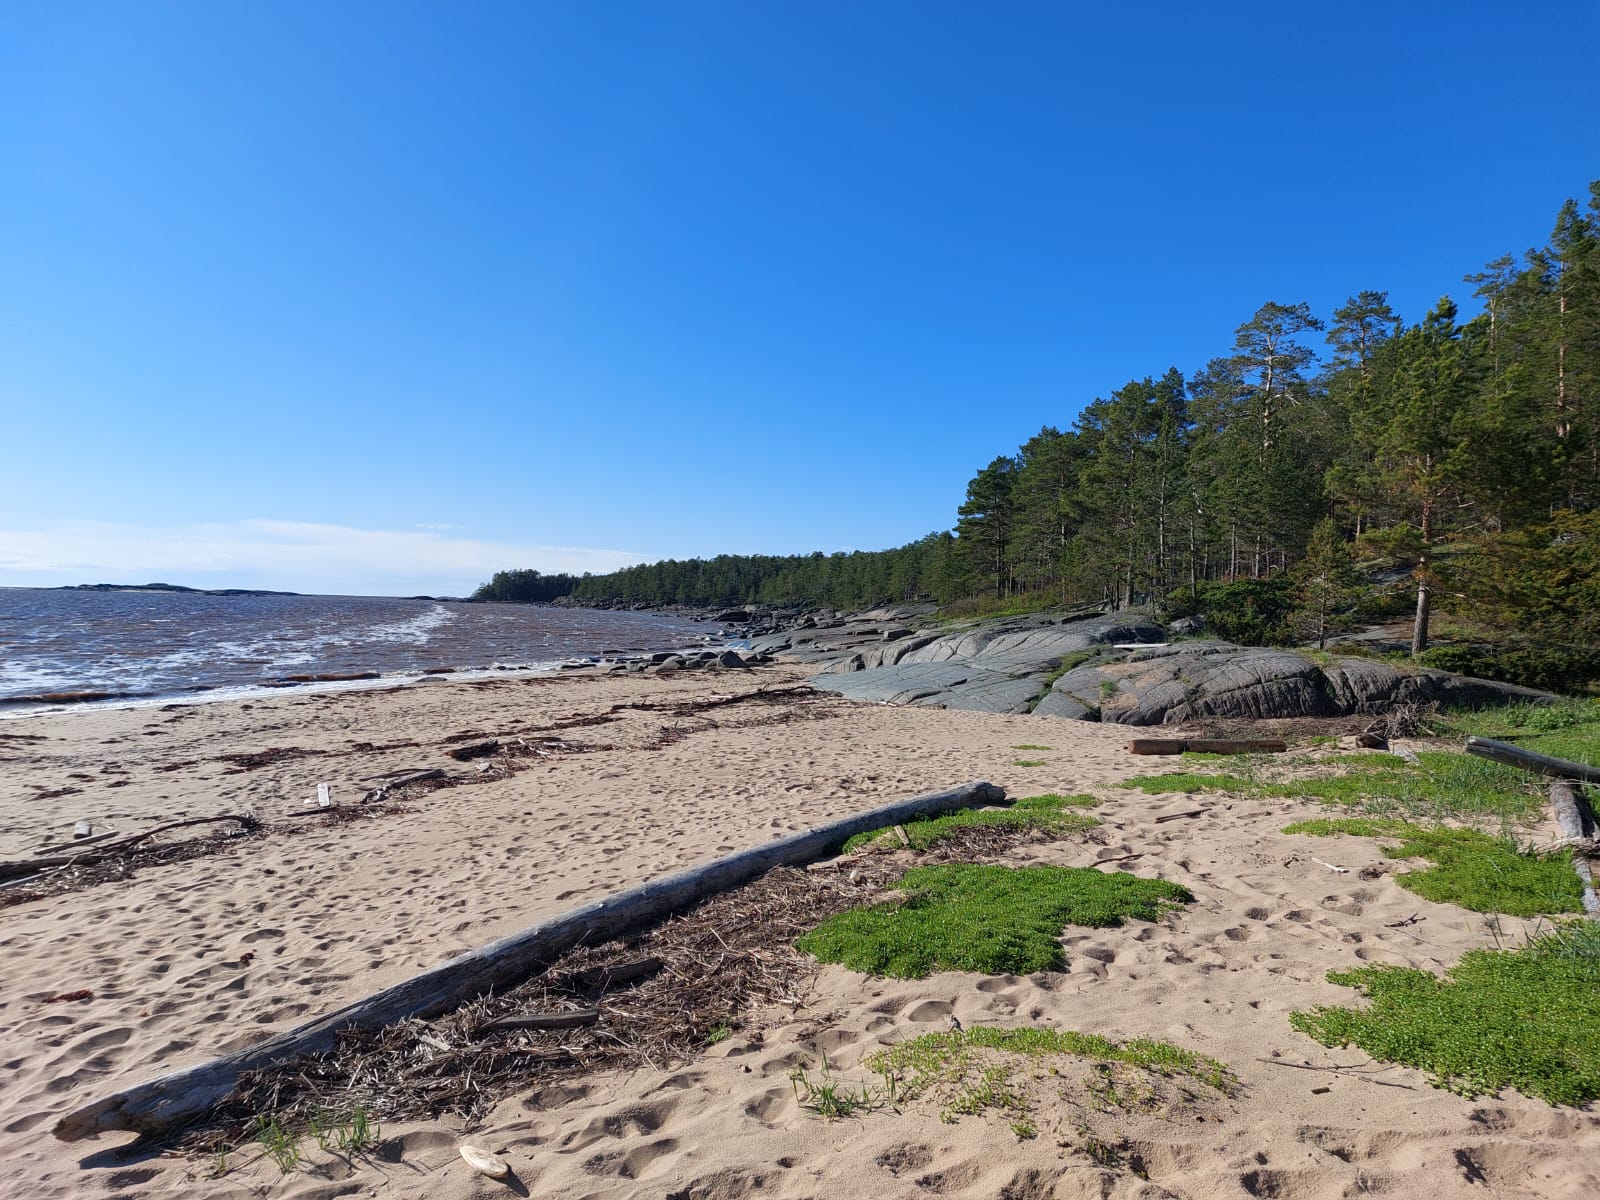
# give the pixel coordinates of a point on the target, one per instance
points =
(142, 644)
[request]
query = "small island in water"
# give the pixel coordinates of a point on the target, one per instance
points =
(168, 587)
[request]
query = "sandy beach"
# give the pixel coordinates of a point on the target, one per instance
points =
(190, 959)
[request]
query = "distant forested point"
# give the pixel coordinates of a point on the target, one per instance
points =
(858, 579)
(1462, 458)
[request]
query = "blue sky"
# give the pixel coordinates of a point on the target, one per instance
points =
(382, 297)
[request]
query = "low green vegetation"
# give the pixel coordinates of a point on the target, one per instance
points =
(1030, 746)
(1471, 869)
(989, 919)
(1049, 812)
(833, 1098)
(976, 1068)
(1440, 785)
(278, 1143)
(1528, 1019)
(1527, 662)
(1028, 762)
(1570, 729)
(349, 1131)
(1071, 662)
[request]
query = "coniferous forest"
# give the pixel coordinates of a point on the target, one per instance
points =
(1322, 469)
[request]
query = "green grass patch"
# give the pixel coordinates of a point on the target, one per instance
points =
(1570, 729)
(832, 1098)
(1031, 746)
(1471, 869)
(1440, 785)
(1190, 782)
(1028, 762)
(1528, 1019)
(1071, 662)
(988, 919)
(976, 1068)
(1040, 812)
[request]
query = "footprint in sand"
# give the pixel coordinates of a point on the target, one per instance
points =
(770, 1105)
(631, 1164)
(906, 1157)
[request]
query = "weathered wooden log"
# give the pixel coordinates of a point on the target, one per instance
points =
(31, 866)
(160, 1104)
(1540, 764)
(1157, 746)
(1571, 813)
(1237, 746)
(1576, 822)
(1207, 746)
(575, 1019)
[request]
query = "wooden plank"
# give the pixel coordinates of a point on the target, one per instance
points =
(160, 1104)
(1527, 760)
(1207, 746)
(1237, 746)
(1157, 746)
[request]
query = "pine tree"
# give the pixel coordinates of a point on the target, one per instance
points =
(1327, 579)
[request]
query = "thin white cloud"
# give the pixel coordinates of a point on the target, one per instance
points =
(289, 555)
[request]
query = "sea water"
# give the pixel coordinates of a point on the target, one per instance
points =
(138, 646)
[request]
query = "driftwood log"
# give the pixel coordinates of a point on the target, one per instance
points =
(161, 1104)
(1539, 764)
(36, 865)
(1572, 814)
(1207, 746)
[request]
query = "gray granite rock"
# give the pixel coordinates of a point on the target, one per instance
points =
(1216, 679)
(939, 685)
(1004, 666)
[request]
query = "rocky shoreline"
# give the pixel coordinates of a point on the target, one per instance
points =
(1094, 666)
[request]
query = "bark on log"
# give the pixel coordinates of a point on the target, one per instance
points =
(160, 1104)
(1207, 746)
(1575, 821)
(1541, 764)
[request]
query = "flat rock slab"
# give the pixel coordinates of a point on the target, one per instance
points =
(937, 685)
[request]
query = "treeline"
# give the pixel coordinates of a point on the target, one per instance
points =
(860, 579)
(1410, 438)
(1452, 448)
(526, 587)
